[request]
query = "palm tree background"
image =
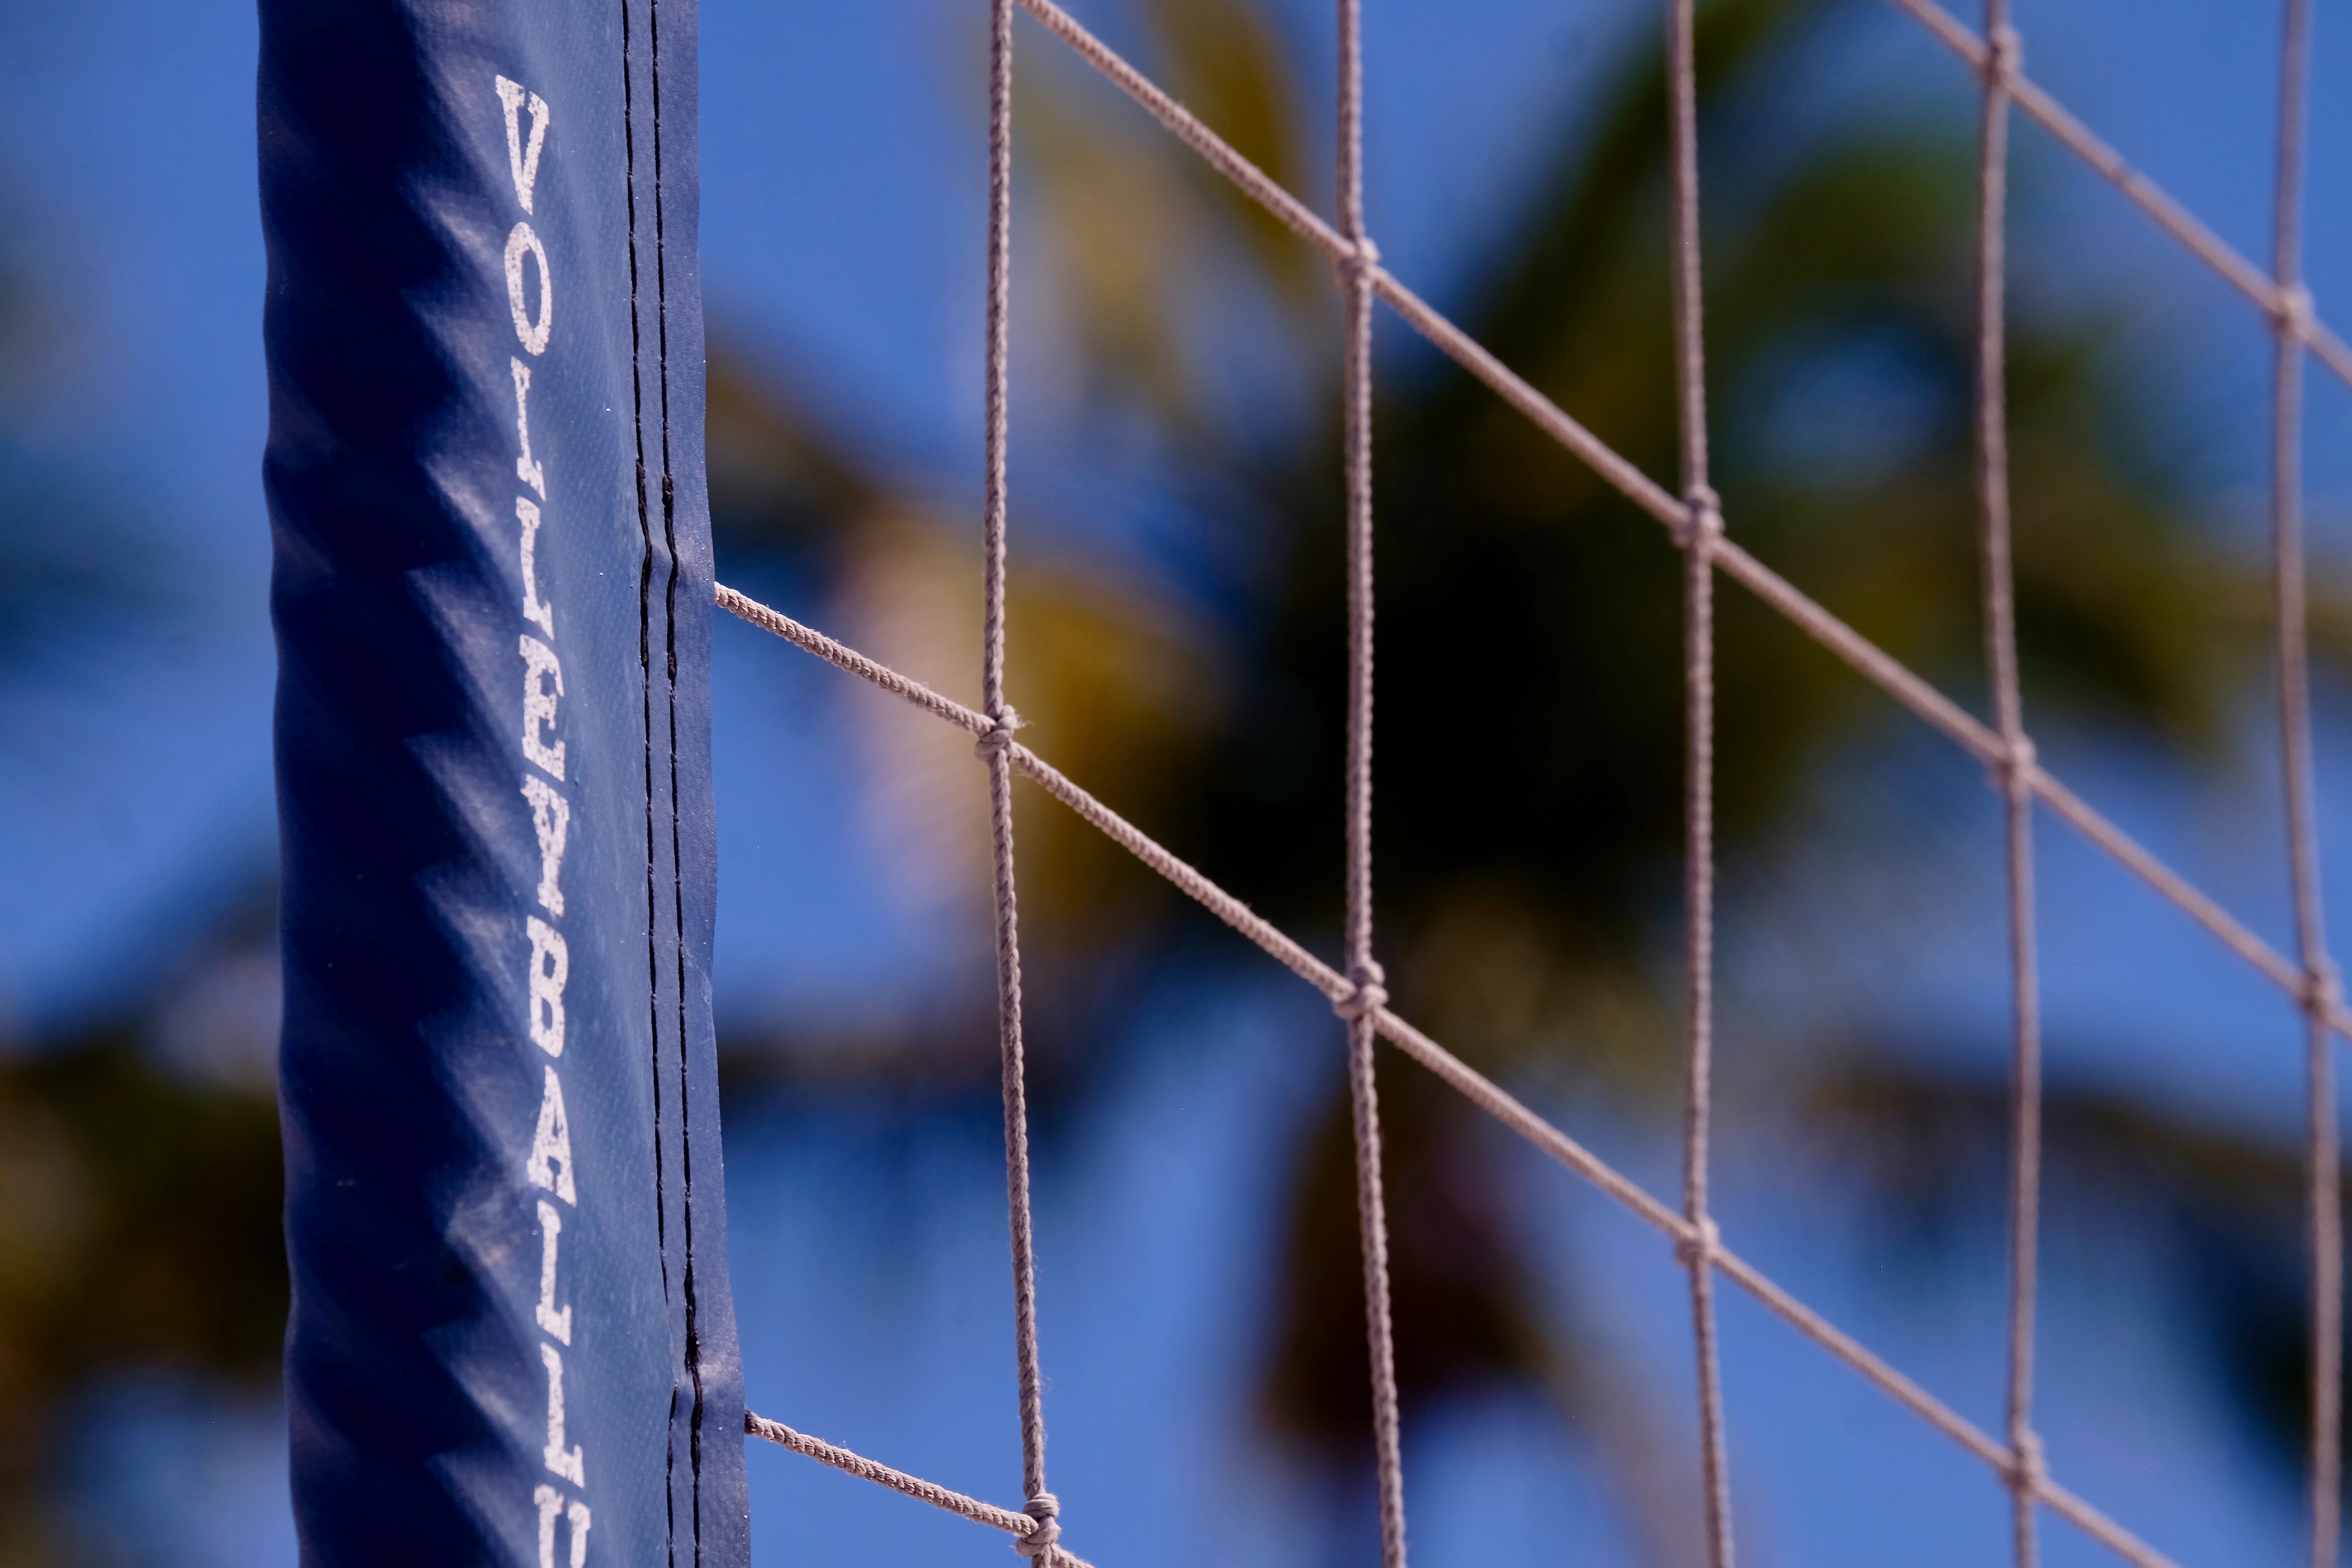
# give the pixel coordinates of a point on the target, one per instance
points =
(1528, 823)
(1530, 826)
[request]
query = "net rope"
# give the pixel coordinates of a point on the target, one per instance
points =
(1696, 524)
(2002, 57)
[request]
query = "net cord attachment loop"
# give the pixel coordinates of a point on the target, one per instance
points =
(1021, 1526)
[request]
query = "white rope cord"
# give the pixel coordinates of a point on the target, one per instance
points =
(1865, 657)
(1020, 1526)
(1698, 539)
(2013, 774)
(1472, 1085)
(1696, 524)
(1041, 1504)
(2268, 294)
(1365, 991)
(2295, 755)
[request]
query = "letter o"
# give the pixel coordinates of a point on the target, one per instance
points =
(533, 333)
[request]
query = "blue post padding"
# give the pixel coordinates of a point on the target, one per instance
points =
(512, 1339)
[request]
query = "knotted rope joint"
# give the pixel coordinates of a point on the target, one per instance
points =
(1365, 996)
(2028, 1472)
(2293, 312)
(1046, 1509)
(1702, 521)
(998, 736)
(1701, 1243)
(2322, 987)
(2012, 772)
(2004, 55)
(1362, 261)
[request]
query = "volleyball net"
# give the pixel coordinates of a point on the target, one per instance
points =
(1696, 520)
(512, 1336)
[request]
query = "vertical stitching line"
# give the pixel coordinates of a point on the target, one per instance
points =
(644, 664)
(677, 872)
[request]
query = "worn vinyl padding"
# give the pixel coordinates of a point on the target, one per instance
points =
(457, 685)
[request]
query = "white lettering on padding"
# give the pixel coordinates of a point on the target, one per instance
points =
(521, 243)
(550, 1225)
(563, 1461)
(579, 1534)
(578, 1514)
(550, 1504)
(526, 469)
(542, 683)
(522, 156)
(551, 966)
(549, 1166)
(534, 608)
(551, 813)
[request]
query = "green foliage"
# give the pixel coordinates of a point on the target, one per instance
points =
(139, 1228)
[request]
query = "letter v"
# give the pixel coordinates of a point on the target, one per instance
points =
(522, 157)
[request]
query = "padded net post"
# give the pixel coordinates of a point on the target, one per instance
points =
(512, 1340)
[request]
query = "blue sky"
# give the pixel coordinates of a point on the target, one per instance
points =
(842, 228)
(841, 214)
